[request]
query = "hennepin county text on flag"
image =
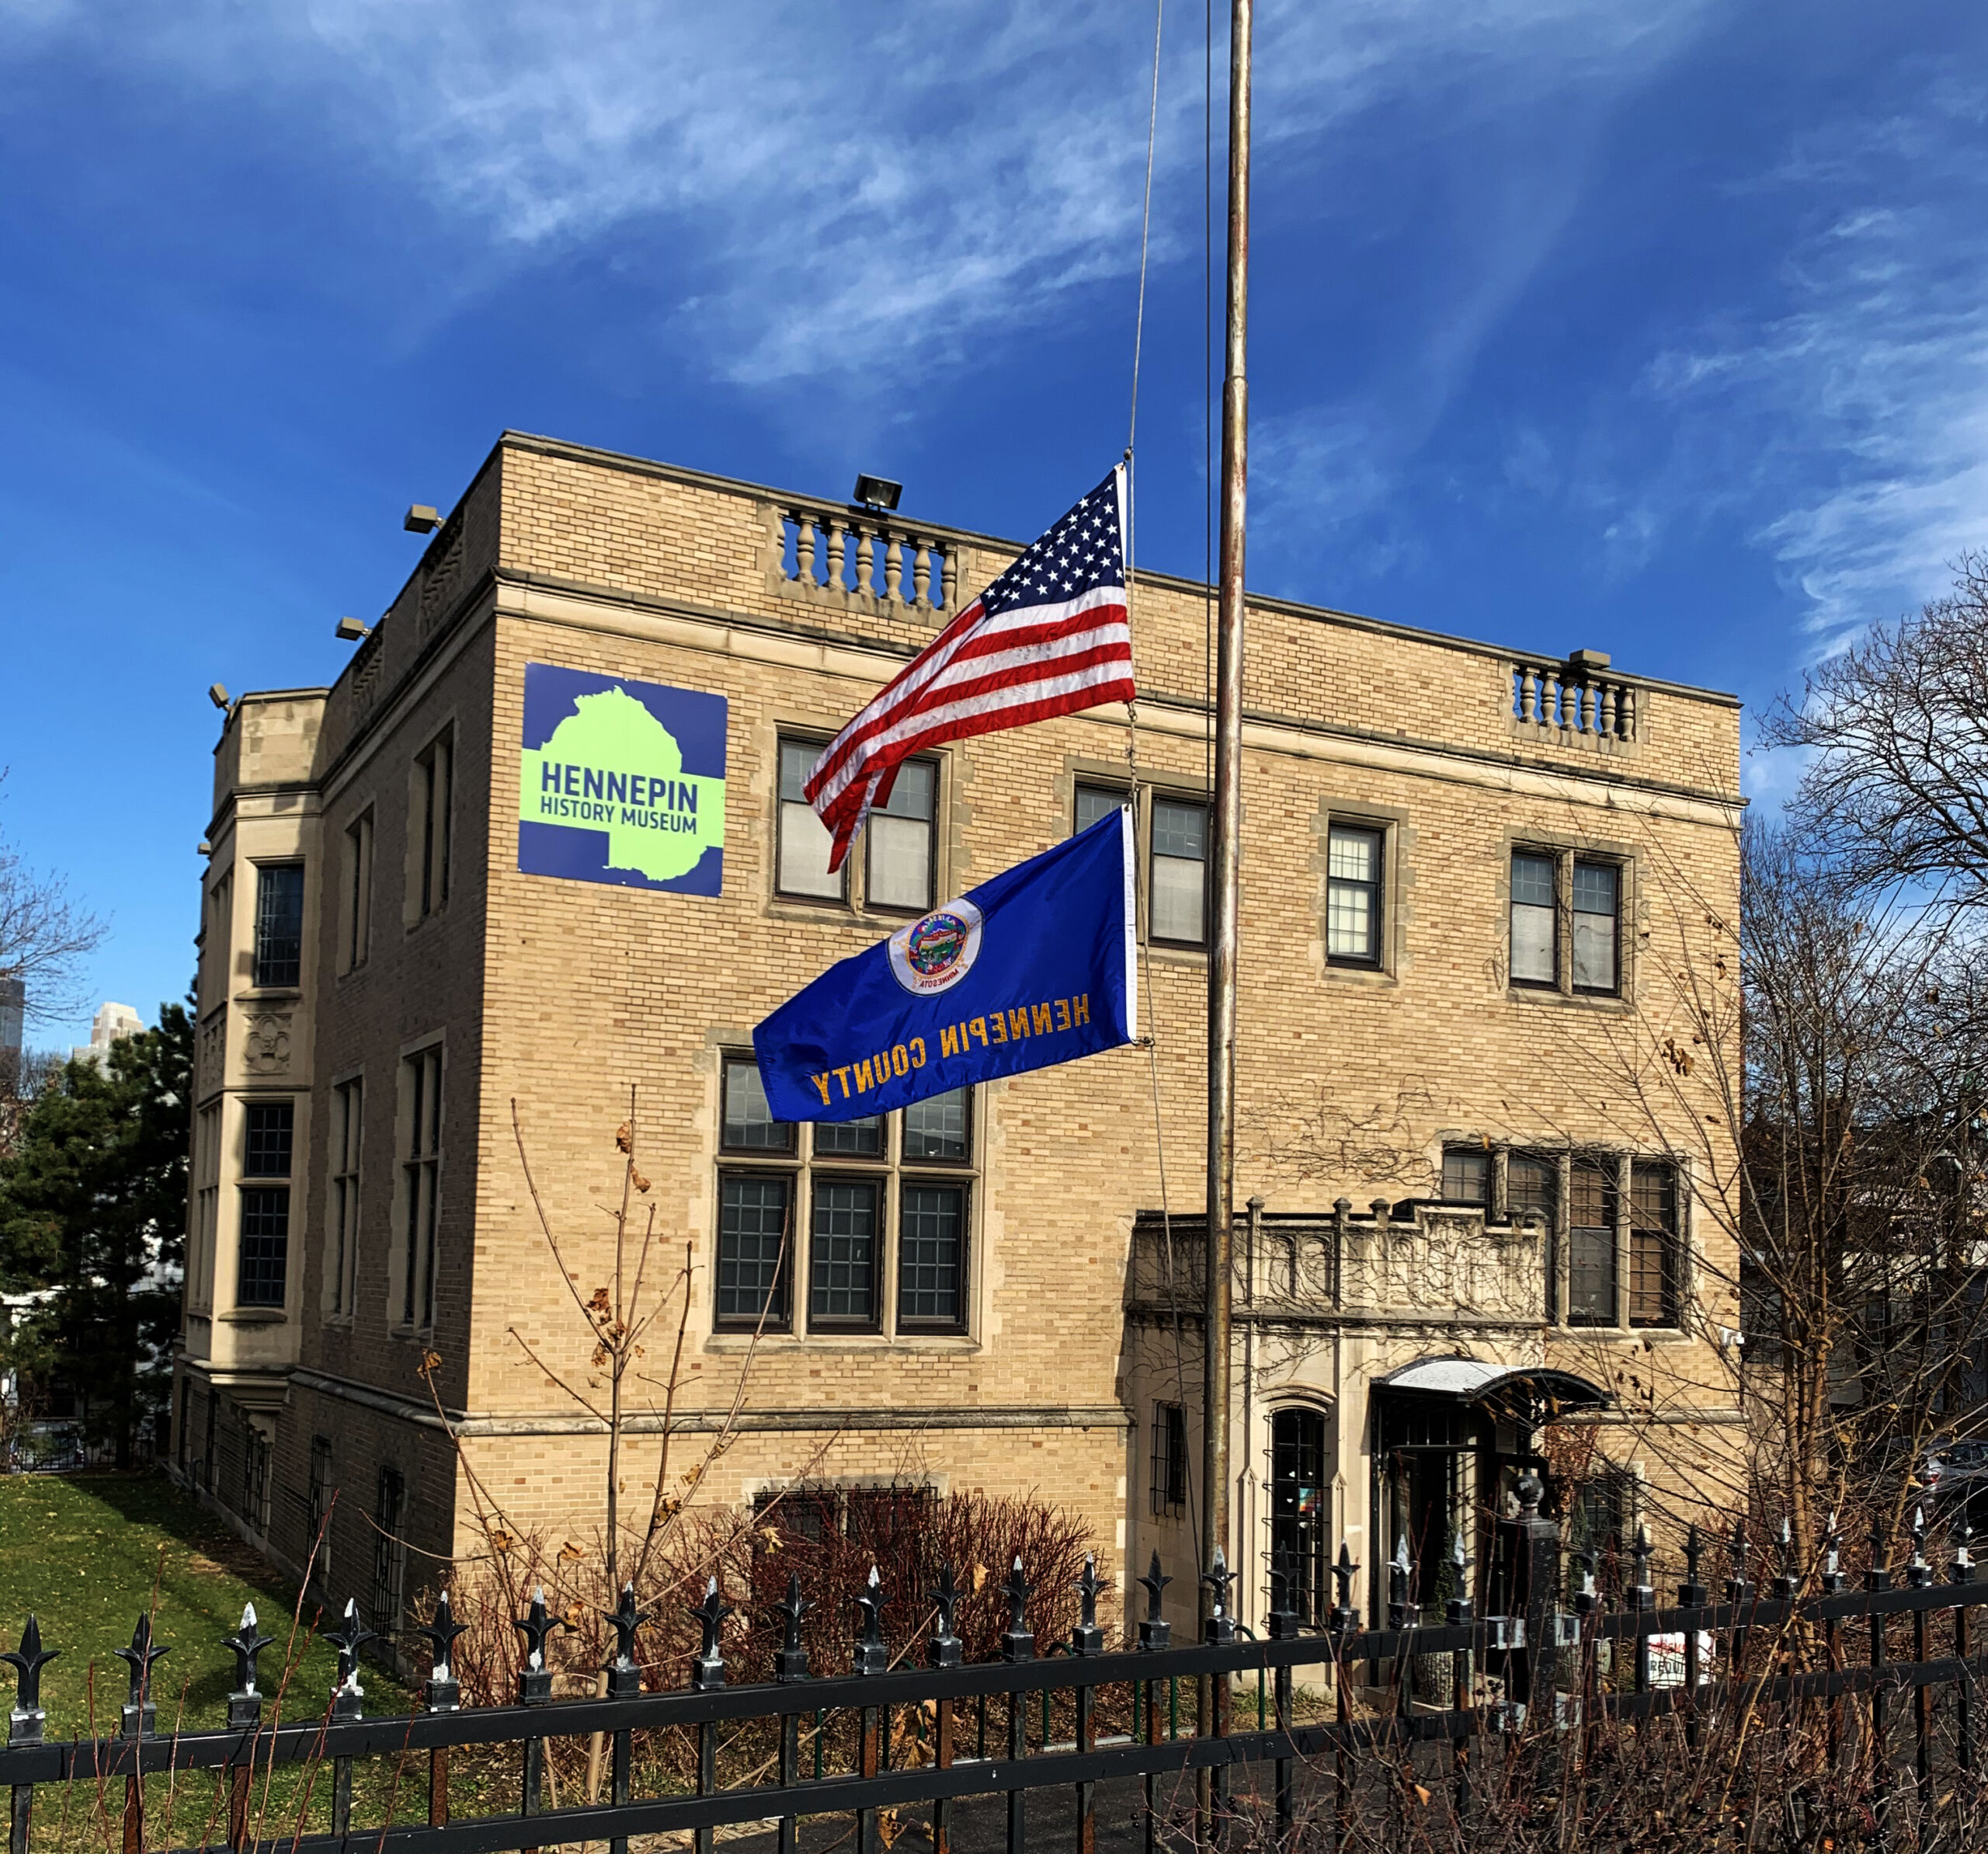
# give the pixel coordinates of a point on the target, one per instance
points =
(1049, 636)
(1034, 968)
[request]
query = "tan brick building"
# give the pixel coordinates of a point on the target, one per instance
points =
(1468, 879)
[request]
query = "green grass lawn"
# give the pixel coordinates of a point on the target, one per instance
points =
(87, 1555)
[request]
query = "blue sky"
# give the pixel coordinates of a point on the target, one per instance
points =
(1657, 327)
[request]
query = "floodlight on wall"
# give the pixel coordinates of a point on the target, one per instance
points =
(217, 694)
(421, 520)
(1587, 660)
(203, 848)
(349, 630)
(878, 492)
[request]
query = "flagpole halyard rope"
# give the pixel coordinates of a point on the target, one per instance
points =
(1145, 227)
(1151, 1039)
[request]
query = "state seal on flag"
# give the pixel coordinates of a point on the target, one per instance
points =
(934, 953)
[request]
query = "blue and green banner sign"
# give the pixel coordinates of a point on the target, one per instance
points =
(622, 782)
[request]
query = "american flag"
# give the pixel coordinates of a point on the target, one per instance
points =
(1049, 636)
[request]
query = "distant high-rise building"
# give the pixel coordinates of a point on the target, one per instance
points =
(112, 1024)
(13, 1015)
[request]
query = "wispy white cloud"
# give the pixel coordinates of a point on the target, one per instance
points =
(815, 189)
(1856, 423)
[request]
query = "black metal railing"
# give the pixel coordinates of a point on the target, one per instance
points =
(1526, 1676)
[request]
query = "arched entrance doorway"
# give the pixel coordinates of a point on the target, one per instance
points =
(1300, 1505)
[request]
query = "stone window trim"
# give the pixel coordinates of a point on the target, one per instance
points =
(856, 881)
(1086, 781)
(357, 863)
(345, 1173)
(1568, 857)
(1167, 1464)
(808, 1293)
(429, 870)
(275, 954)
(1662, 1311)
(1391, 823)
(419, 1172)
(318, 1492)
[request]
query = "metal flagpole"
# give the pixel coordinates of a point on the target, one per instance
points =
(1227, 814)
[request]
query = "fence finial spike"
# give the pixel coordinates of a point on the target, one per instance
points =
(139, 1658)
(535, 1626)
(1155, 1582)
(248, 1642)
(27, 1664)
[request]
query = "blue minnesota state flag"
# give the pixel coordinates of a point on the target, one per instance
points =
(1034, 968)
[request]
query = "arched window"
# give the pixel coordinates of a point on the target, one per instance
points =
(1301, 1514)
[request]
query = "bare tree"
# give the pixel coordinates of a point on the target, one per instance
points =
(1897, 790)
(44, 932)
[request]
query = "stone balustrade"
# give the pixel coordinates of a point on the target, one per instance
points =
(1573, 700)
(1414, 1260)
(848, 555)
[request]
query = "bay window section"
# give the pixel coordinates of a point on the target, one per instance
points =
(279, 925)
(263, 1249)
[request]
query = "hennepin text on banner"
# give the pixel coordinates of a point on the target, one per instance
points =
(1031, 968)
(1049, 636)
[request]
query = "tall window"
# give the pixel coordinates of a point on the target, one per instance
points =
(206, 1204)
(357, 925)
(421, 1170)
(264, 1246)
(1352, 895)
(1168, 1477)
(348, 1102)
(1597, 895)
(846, 1208)
(754, 1208)
(255, 1476)
(1535, 937)
(843, 1238)
(1532, 1190)
(1591, 1209)
(1299, 1521)
(804, 842)
(901, 858)
(1654, 1244)
(1178, 910)
(279, 924)
(389, 1552)
(317, 1513)
(433, 807)
(1580, 951)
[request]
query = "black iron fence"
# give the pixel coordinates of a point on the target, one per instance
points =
(1072, 1715)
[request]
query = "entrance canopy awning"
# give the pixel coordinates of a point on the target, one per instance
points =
(1476, 1381)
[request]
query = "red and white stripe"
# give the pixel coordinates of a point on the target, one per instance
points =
(979, 676)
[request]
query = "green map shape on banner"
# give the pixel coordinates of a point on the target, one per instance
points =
(612, 765)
